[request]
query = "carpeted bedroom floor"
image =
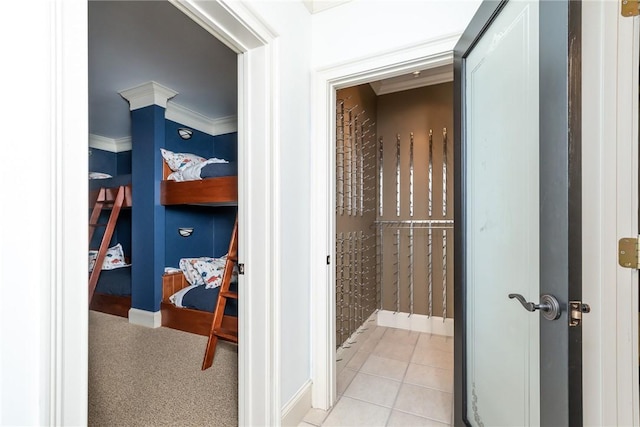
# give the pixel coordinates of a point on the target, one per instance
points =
(151, 377)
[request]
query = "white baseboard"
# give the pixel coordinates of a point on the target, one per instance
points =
(416, 322)
(298, 406)
(149, 319)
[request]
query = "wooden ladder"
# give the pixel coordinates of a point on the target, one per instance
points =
(218, 330)
(107, 198)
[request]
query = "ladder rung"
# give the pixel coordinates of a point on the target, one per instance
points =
(226, 334)
(229, 294)
(98, 225)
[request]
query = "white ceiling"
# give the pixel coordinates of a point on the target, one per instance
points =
(134, 42)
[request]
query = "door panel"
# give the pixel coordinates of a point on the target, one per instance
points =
(502, 219)
(518, 218)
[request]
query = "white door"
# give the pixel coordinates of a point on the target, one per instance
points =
(518, 220)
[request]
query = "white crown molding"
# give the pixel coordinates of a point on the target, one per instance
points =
(192, 119)
(150, 93)
(114, 145)
(382, 87)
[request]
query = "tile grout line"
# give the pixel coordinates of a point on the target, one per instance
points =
(357, 371)
(402, 381)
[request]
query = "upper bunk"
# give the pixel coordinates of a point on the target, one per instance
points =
(217, 185)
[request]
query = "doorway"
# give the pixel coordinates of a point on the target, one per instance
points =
(252, 40)
(394, 248)
(324, 298)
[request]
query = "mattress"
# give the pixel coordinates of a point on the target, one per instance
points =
(200, 298)
(216, 170)
(115, 282)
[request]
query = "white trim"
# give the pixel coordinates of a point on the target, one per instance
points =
(416, 322)
(229, 21)
(195, 120)
(150, 319)
(383, 87)
(113, 145)
(146, 94)
(609, 212)
(258, 202)
(429, 54)
(64, 381)
(297, 407)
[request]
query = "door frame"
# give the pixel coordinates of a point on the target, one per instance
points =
(610, 62)
(258, 198)
(325, 82)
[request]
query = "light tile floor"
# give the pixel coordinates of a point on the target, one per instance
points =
(391, 377)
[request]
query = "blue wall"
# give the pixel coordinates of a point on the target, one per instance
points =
(148, 215)
(114, 164)
(149, 231)
(212, 225)
(109, 162)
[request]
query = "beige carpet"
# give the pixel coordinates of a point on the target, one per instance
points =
(151, 377)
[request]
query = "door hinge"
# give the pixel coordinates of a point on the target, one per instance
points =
(629, 8)
(576, 308)
(628, 253)
(240, 268)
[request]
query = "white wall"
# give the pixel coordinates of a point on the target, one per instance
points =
(292, 23)
(362, 28)
(44, 110)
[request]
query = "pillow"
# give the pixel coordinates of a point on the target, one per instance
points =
(206, 271)
(112, 260)
(192, 171)
(179, 161)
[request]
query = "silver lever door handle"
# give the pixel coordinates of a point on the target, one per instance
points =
(549, 305)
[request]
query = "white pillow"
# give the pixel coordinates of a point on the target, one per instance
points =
(192, 171)
(112, 260)
(206, 271)
(179, 161)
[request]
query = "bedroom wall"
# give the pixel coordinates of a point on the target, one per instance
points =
(155, 240)
(212, 225)
(148, 216)
(109, 162)
(114, 164)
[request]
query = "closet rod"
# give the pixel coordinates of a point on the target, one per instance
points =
(415, 221)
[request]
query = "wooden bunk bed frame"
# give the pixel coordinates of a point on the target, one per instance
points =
(186, 319)
(208, 191)
(114, 198)
(219, 191)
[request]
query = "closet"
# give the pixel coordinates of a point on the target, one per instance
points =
(394, 209)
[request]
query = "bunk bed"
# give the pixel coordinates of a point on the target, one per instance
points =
(109, 290)
(217, 186)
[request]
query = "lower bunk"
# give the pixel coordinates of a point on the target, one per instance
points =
(197, 306)
(113, 292)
